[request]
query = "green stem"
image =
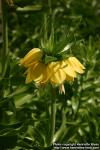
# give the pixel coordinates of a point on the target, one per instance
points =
(53, 116)
(4, 52)
(59, 134)
(50, 8)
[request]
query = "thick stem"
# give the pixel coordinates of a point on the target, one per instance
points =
(53, 116)
(4, 51)
(59, 134)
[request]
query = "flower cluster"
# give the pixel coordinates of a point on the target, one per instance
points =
(55, 72)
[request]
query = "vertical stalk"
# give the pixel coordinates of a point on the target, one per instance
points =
(53, 116)
(61, 131)
(50, 8)
(4, 51)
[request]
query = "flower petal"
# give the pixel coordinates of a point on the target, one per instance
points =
(76, 65)
(69, 70)
(46, 75)
(37, 73)
(29, 77)
(58, 77)
(54, 66)
(69, 78)
(34, 55)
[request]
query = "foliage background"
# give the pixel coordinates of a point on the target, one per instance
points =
(24, 109)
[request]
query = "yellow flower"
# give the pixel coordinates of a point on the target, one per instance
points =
(65, 70)
(55, 72)
(38, 72)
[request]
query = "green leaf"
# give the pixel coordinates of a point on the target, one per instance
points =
(66, 48)
(29, 8)
(49, 59)
(14, 125)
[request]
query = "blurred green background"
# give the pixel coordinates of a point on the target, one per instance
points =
(24, 109)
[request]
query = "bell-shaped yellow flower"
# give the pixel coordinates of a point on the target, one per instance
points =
(55, 72)
(59, 75)
(38, 73)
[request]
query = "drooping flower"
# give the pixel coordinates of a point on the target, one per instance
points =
(55, 72)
